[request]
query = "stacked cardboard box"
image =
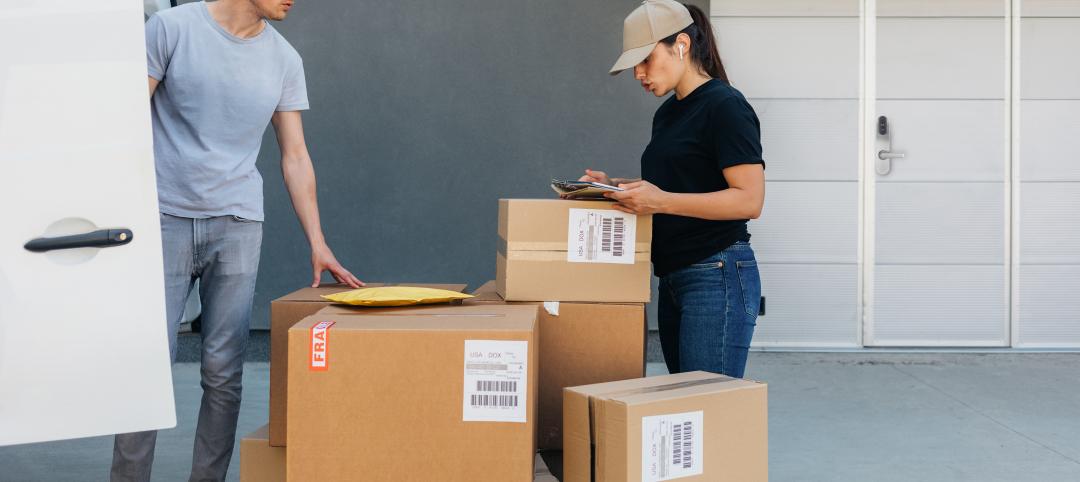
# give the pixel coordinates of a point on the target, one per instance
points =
(286, 312)
(689, 426)
(558, 250)
(436, 393)
(581, 344)
(588, 265)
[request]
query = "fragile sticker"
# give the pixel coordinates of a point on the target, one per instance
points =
(319, 361)
(496, 380)
(671, 446)
(601, 236)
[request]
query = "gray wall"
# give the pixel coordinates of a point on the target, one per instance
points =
(424, 113)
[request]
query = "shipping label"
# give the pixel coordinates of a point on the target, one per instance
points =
(671, 446)
(496, 381)
(601, 236)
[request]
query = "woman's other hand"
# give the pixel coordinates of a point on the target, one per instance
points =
(595, 176)
(640, 197)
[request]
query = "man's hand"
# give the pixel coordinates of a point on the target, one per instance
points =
(322, 259)
(640, 197)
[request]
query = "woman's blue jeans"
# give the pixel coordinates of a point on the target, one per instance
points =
(707, 312)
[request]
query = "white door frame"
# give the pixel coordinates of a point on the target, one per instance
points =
(868, 182)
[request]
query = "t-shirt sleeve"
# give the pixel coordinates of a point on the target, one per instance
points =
(736, 133)
(157, 48)
(294, 92)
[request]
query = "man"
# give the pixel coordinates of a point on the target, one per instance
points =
(219, 73)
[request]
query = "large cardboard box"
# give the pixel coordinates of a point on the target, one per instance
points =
(441, 393)
(284, 313)
(559, 250)
(693, 426)
(583, 344)
(259, 462)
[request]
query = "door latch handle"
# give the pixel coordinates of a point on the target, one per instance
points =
(104, 238)
(883, 164)
(886, 155)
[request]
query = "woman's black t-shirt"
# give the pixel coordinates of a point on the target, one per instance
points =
(693, 141)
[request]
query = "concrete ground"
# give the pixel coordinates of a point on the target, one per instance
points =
(833, 417)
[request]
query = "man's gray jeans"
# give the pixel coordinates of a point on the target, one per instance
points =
(223, 254)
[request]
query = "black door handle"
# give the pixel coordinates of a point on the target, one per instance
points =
(103, 238)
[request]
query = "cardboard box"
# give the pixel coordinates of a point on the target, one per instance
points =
(259, 462)
(284, 313)
(538, 238)
(390, 394)
(583, 344)
(693, 426)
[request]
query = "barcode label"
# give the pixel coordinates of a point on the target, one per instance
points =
(495, 380)
(620, 230)
(496, 386)
(494, 400)
(600, 236)
(671, 446)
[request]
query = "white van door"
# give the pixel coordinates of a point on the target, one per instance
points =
(83, 346)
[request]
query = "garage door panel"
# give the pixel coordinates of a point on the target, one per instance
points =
(940, 223)
(810, 140)
(1050, 68)
(808, 305)
(1049, 144)
(770, 57)
(785, 8)
(939, 8)
(1049, 306)
(946, 140)
(940, 306)
(1050, 223)
(1050, 8)
(808, 222)
(941, 58)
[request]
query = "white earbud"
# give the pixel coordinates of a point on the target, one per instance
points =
(680, 51)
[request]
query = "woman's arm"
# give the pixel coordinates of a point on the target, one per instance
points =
(743, 199)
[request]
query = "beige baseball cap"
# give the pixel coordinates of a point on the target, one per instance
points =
(648, 24)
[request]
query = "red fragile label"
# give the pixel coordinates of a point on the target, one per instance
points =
(320, 346)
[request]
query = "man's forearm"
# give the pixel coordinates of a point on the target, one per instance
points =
(300, 181)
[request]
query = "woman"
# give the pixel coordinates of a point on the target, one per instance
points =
(703, 178)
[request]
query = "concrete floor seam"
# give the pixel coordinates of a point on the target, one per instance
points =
(988, 417)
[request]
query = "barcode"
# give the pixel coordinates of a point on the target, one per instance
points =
(494, 400)
(605, 231)
(496, 386)
(676, 445)
(619, 233)
(687, 445)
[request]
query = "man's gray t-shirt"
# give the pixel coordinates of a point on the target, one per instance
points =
(216, 95)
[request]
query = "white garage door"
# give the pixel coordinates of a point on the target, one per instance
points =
(971, 238)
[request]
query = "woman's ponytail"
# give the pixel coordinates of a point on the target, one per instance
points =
(703, 48)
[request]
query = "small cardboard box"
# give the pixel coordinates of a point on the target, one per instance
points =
(439, 393)
(559, 250)
(259, 462)
(583, 344)
(284, 313)
(694, 426)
